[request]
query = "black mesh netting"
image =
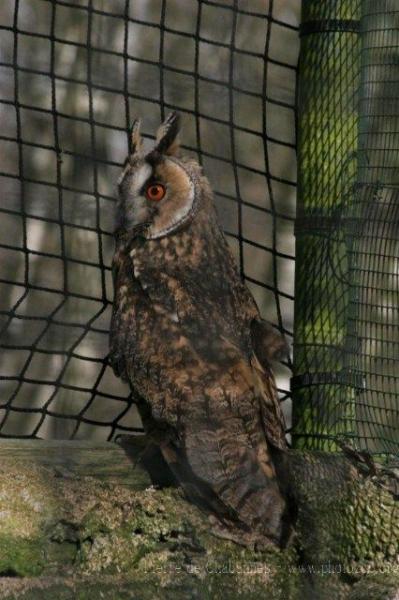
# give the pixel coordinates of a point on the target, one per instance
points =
(73, 75)
(347, 290)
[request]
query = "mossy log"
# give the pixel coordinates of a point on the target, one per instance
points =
(79, 519)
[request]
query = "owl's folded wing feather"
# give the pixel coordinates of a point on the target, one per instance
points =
(272, 414)
(268, 345)
(219, 337)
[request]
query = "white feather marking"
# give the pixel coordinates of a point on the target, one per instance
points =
(140, 177)
(122, 175)
(174, 317)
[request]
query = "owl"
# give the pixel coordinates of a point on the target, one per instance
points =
(187, 335)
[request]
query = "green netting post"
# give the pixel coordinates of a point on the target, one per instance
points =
(324, 388)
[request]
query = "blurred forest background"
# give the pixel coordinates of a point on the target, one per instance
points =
(73, 75)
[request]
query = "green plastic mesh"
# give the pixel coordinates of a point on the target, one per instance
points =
(346, 363)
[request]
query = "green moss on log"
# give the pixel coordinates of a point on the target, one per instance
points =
(67, 534)
(81, 526)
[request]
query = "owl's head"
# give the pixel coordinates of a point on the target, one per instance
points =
(159, 191)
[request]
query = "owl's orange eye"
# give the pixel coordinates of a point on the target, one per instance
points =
(155, 191)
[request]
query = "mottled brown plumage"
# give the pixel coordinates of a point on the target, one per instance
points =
(187, 335)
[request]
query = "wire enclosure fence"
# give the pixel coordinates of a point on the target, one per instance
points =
(347, 290)
(73, 75)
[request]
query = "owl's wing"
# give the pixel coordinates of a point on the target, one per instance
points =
(218, 332)
(268, 344)
(272, 415)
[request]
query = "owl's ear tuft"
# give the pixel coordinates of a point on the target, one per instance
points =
(135, 140)
(167, 140)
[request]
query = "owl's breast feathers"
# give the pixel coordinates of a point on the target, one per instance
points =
(182, 333)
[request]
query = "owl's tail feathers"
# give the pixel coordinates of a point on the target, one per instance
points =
(241, 479)
(198, 491)
(244, 525)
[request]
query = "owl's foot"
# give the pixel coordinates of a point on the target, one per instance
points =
(253, 540)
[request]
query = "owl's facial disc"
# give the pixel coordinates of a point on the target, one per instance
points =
(157, 191)
(178, 204)
(159, 213)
